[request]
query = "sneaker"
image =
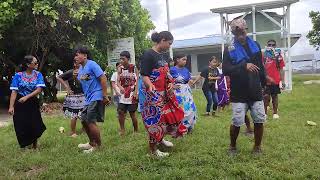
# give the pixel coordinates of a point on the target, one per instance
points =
(88, 151)
(160, 154)
(276, 116)
(73, 135)
(167, 143)
(206, 114)
(84, 146)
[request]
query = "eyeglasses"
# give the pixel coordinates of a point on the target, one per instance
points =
(272, 45)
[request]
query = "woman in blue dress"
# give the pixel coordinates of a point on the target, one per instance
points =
(24, 104)
(182, 79)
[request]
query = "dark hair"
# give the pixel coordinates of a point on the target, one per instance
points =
(82, 50)
(125, 54)
(26, 61)
(157, 37)
(213, 58)
(117, 64)
(272, 40)
(176, 57)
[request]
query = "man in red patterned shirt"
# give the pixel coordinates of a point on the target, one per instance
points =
(273, 63)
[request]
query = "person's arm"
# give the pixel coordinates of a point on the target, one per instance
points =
(197, 79)
(118, 80)
(62, 80)
(99, 74)
(13, 98)
(147, 82)
(137, 84)
(147, 64)
(230, 69)
(262, 72)
(103, 81)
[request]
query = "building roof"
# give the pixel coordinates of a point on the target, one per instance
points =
(248, 7)
(198, 42)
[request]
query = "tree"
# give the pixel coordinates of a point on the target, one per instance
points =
(51, 29)
(314, 34)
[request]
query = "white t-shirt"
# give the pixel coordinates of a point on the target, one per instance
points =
(128, 78)
(114, 78)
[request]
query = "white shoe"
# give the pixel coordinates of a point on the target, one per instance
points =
(88, 151)
(276, 116)
(84, 146)
(167, 143)
(160, 154)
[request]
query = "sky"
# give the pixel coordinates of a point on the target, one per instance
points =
(192, 18)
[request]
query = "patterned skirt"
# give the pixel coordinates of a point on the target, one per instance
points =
(73, 105)
(185, 100)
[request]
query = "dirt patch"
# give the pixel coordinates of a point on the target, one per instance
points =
(51, 108)
(34, 170)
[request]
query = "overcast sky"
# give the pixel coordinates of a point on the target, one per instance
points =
(192, 18)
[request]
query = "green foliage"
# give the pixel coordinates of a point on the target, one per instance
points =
(51, 29)
(314, 34)
(291, 148)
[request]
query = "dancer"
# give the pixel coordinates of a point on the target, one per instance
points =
(223, 98)
(74, 101)
(24, 104)
(127, 83)
(182, 79)
(274, 64)
(243, 63)
(161, 113)
(94, 85)
(209, 88)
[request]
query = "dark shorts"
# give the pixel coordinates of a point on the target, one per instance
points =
(272, 90)
(127, 107)
(93, 112)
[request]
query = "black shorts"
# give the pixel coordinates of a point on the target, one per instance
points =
(127, 107)
(93, 112)
(272, 90)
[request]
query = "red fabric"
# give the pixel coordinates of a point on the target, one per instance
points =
(272, 70)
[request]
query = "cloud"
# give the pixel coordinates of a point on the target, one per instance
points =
(190, 19)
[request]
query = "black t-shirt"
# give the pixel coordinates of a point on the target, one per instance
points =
(152, 60)
(74, 84)
(245, 86)
(209, 84)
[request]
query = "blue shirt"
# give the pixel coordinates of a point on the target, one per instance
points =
(25, 84)
(89, 78)
(181, 75)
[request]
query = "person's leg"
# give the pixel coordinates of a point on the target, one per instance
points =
(87, 130)
(266, 100)
(248, 125)
(134, 121)
(214, 102)
(95, 134)
(258, 115)
(122, 116)
(275, 103)
(73, 125)
(208, 96)
(238, 115)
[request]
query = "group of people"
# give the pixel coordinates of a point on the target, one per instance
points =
(161, 93)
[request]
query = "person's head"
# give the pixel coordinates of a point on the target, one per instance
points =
(213, 62)
(180, 60)
(81, 55)
(124, 57)
(272, 43)
(29, 62)
(239, 29)
(164, 39)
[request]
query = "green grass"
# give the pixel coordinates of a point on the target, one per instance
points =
(291, 148)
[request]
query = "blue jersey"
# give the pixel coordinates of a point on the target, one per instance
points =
(25, 84)
(180, 75)
(89, 78)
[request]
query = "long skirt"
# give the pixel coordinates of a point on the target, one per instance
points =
(223, 98)
(27, 121)
(73, 105)
(185, 100)
(161, 113)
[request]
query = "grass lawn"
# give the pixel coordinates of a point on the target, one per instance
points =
(291, 148)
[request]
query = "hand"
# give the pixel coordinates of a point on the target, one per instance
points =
(218, 77)
(252, 68)
(191, 83)
(23, 99)
(121, 90)
(170, 86)
(69, 91)
(151, 88)
(106, 100)
(177, 86)
(11, 111)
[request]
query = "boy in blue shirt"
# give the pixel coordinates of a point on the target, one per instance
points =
(94, 85)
